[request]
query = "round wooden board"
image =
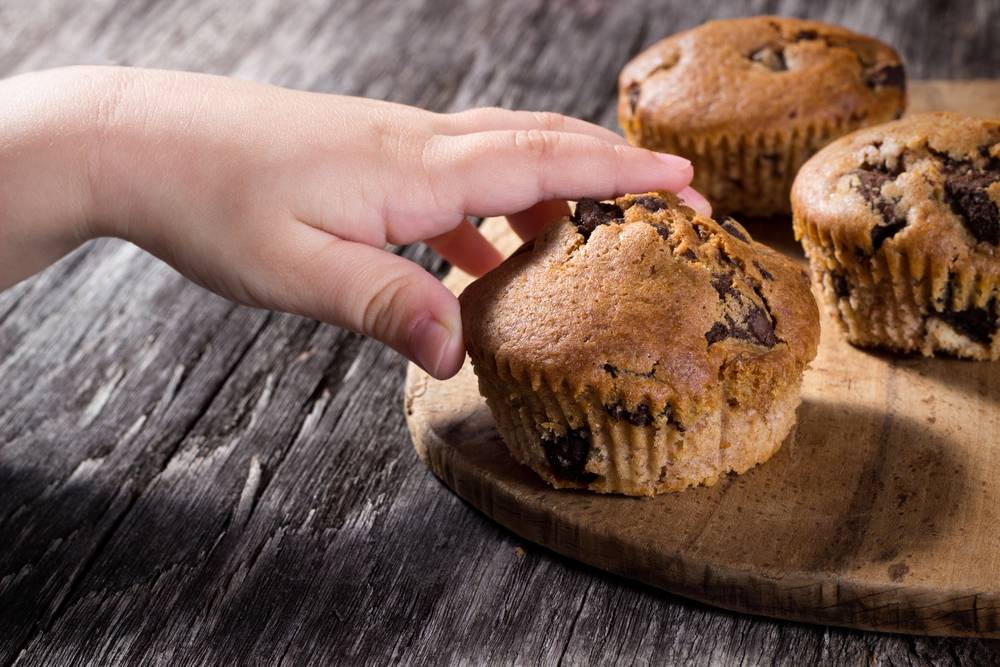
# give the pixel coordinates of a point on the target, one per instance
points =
(879, 512)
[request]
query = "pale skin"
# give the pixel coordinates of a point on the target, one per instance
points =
(285, 200)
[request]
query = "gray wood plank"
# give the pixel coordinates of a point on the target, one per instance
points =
(183, 481)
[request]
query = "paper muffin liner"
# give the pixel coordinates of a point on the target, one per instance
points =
(899, 298)
(750, 174)
(623, 457)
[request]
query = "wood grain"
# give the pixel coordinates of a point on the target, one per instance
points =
(187, 482)
(879, 512)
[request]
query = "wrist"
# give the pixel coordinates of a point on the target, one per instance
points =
(45, 193)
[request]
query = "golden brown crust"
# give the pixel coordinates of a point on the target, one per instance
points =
(665, 319)
(749, 100)
(901, 226)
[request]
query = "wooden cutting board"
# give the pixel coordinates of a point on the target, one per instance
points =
(881, 511)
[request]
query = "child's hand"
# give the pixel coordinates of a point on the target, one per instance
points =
(285, 200)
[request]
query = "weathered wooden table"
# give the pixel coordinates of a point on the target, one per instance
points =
(184, 481)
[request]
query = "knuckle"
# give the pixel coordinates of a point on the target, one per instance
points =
(550, 120)
(537, 142)
(380, 319)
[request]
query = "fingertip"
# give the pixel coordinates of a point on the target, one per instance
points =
(675, 162)
(437, 347)
(695, 200)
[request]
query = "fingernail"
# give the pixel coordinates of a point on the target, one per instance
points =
(673, 161)
(432, 344)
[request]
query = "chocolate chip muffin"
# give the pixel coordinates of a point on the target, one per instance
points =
(638, 347)
(901, 227)
(749, 100)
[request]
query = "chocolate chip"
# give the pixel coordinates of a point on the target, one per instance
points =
(567, 454)
(639, 417)
(614, 372)
(650, 203)
(970, 200)
(840, 285)
(633, 93)
(719, 331)
(806, 35)
(591, 214)
(764, 273)
(978, 324)
(948, 164)
(662, 230)
(883, 168)
(870, 182)
(752, 323)
(759, 326)
(771, 59)
(729, 224)
(870, 188)
(993, 163)
(882, 232)
(886, 75)
(756, 327)
(724, 286)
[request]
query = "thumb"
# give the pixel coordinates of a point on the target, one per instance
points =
(369, 291)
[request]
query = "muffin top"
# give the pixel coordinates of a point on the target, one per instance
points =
(759, 73)
(646, 301)
(928, 183)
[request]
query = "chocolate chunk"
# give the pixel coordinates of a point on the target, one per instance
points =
(591, 214)
(882, 232)
(806, 35)
(884, 169)
(752, 322)
(993, 163)
(764, 273)
(650, 203)
(771, 59)
(978, 324)
(614, 372)
(567, 454)
(870, 183)
(759, 326)
(633, 93)
(756, 327)
(886, 75)
(724, 286)
(840, 285)
(729, 224)
(870, 188)
(970, 200)
(949, 165)
(640, 417)
(719, 331)
(662, 230)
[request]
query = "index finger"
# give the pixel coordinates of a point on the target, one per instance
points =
(494, 173)
(492, 119)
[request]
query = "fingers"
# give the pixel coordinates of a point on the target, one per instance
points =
(494, 173)
(467, 249)
(363, 289)
(527, 223)
(693, 198)
(494, 119)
